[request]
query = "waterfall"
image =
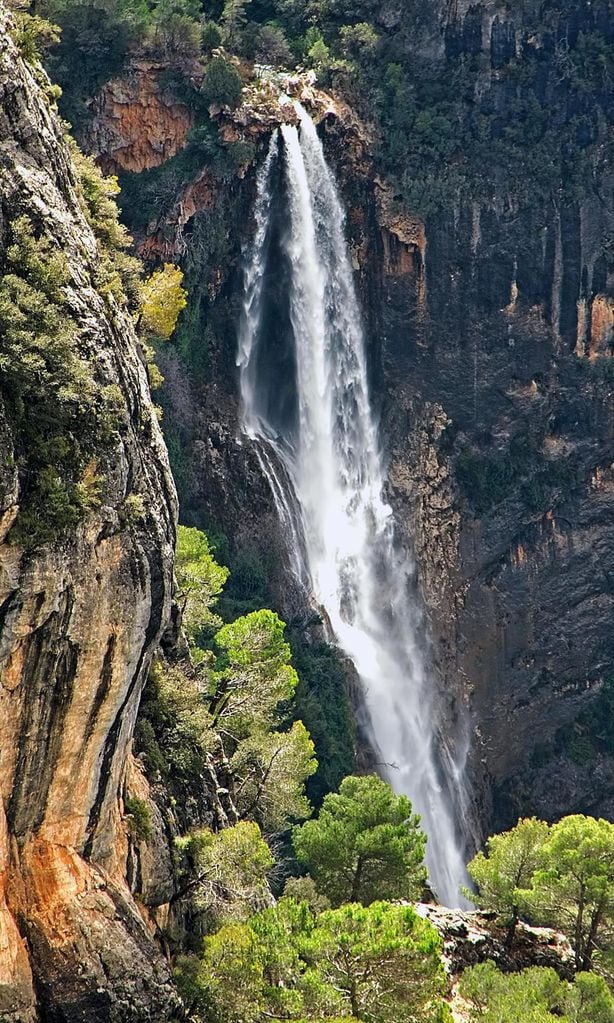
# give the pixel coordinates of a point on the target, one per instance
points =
(327, 480)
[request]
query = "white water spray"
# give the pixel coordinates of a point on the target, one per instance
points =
(338, 523)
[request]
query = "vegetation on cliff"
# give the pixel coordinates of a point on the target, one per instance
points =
(443, 136)
(66, 419)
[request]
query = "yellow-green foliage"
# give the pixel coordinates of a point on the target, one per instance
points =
(227, 871)
(200, 581)
(254, 674)
(233, 705)
(138, 816)
(34, 35)
(174, 728)
(503, 873)
(535, 995)
(119, 273)
(271, 769)
(561, 875)
(381, 964)
(163, 298)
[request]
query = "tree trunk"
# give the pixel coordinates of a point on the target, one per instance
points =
(357, 880)
(511, 930)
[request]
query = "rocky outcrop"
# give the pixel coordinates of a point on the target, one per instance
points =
(138, 122)
(475, 937)
(79, 620)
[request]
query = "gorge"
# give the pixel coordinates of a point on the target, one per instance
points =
(374, 302)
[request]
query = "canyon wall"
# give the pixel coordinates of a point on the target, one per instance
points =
(80, 617)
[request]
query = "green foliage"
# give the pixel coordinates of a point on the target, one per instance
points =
(118, 273)
(95, 41)
(574, 889)
(505, 871)
(233, 19)
(593, 728)
(358, 42)
(365, 844)
(535, 995)
(561, 875)
(383, 960)
(228, 705)
(271, 769)
(200, 580)
(138, 813)
(211, 36)
(221, 83)
(253, 674)
(34, 36)
(226, 873)
(323, 704)
(62, 419)
(304, 889)
(174, 727)
(174, 28)
(380, 964)
(267, 44)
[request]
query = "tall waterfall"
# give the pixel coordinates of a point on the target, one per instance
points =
(327, 480)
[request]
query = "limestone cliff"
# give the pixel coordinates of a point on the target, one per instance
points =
(79, 619)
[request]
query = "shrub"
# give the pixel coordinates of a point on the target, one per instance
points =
(221, 83)
(34, 36)
(210, 36)
(138, 814)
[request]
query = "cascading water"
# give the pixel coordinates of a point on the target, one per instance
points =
(327, 480)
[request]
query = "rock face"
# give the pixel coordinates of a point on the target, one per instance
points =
(490, 344)
(474, 937)
(79, 620)
(136, 123)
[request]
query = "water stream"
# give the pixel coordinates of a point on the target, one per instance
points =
(327, 479)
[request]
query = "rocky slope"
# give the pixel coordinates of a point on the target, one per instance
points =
(490, 341)
(79, 620)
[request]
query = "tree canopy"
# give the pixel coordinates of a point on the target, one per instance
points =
(379, 964)
(534, 995)
(505, 870)
(574, 889)
(366, 844)
(560, 874)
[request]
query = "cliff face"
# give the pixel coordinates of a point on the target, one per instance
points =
(496, 345)
(79, 619)
(136, 123)
(490, 343)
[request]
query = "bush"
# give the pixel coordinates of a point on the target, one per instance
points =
(34, 36)
(222, 83)
(138, 813)
(210, 36)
